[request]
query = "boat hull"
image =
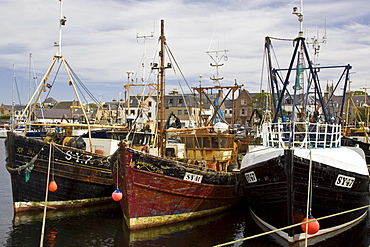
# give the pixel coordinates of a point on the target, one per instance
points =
(83, 178)
(158, 191)
(277, 191)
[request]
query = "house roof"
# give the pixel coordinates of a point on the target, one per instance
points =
(16, 107)
(57, 113)
(65, 104)
(50, 100)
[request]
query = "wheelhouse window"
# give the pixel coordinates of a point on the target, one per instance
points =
(224, 142)
(189, 142)
(198, 142)
(206, 142)
(215, 141)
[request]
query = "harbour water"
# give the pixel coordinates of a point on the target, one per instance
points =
(104, 227)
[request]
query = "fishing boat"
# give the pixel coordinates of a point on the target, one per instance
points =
(355, 132)
(159, 189)
(301, 183)
(60, 170)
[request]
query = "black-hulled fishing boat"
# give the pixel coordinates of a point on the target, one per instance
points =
(301, 170)
(77, 168)
(83, 177)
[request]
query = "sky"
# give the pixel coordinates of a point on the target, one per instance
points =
(103, 40)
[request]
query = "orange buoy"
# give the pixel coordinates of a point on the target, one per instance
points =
(145, 149)
(53, 186)
(117, 195)
(311, 227)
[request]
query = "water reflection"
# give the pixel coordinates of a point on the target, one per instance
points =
(105, 227)
(207, 231)
(80, 227)
(102, 227)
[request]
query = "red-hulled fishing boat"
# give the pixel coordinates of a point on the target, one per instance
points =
(158, 190)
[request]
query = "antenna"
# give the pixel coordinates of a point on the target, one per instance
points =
(144, 57)
(62, 22)
(300, 18)
(216, 79)
(146, 36)
(315, 42)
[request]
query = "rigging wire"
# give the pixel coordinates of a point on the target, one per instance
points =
(172, 59)
(82, 85)
(309, 196)
(55, 77)
(16, 85)
(264, 56)
(282, 39)
(140, 98)
(177, 65)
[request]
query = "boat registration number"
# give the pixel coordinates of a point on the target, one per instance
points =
(344, 181)
(193, 177)
(78, 157)
(251, 177)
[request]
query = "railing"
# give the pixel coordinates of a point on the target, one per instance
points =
(301, 135)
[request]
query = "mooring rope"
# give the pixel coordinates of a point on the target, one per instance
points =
(46, 199)
(26, 166)
(22, 167)
(118, 166)
(287, 227)
(309, 197)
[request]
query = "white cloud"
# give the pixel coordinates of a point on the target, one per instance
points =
(99, 39)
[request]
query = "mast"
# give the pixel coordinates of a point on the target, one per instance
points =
(301, 62)
(131, 82)
(300, 18)
(62, 22)
(13, 81)
(161, 86)
(43, 83)
(29, 76)
(162, 137)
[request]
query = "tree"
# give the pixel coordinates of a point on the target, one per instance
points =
(93, 105)
(358, 93)
(261, 100)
